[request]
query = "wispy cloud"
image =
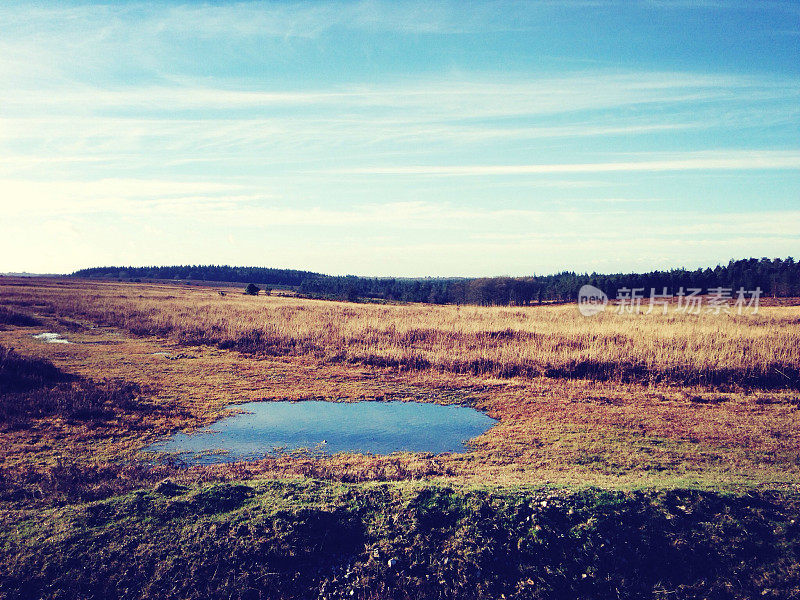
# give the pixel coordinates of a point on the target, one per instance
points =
(310, 19)
(450, 238)
(372, 136)
(122, 197)
(355, 124)
(67, 139)
(737, 160)
(235, 205)
(464, 99)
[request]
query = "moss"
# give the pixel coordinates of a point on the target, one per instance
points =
(296, 539)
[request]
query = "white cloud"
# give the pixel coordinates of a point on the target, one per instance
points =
(310, 19)
(139, 132)
(26, 198)
(98, 133)
(691, 161)
(154, 126)
(461, 99)
(396, 238)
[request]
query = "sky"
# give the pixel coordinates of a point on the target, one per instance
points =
(399, 138)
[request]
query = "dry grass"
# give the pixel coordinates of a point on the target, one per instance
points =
(681, 403)
(606, 430)
(749, 350)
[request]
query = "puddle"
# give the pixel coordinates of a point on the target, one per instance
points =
(367, 427)
(51, 338)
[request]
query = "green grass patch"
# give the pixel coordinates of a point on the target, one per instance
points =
(308, 538)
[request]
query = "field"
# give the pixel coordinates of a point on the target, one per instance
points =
(682, 429)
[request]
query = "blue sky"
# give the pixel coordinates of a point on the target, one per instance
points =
(399, 138)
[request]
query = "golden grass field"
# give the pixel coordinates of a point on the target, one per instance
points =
(679, 400)
(762, 349)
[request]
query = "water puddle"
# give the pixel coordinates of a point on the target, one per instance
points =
(366, 427)
(51, 338)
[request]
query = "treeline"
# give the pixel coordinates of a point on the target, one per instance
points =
(224, 273)
(775, 277)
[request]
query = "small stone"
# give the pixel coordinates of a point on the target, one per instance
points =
(392, 562)
(376, 553)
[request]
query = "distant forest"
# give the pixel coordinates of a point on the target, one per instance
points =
(775, 277)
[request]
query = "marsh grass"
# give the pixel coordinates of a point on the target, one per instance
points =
(612, 428)
(33, 388)
(19, 373)
(761, 351)
(10, 316)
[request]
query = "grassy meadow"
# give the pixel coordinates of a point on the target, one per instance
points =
(618, 437)
(761, 350)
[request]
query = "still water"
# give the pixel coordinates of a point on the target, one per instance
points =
(368, 427)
